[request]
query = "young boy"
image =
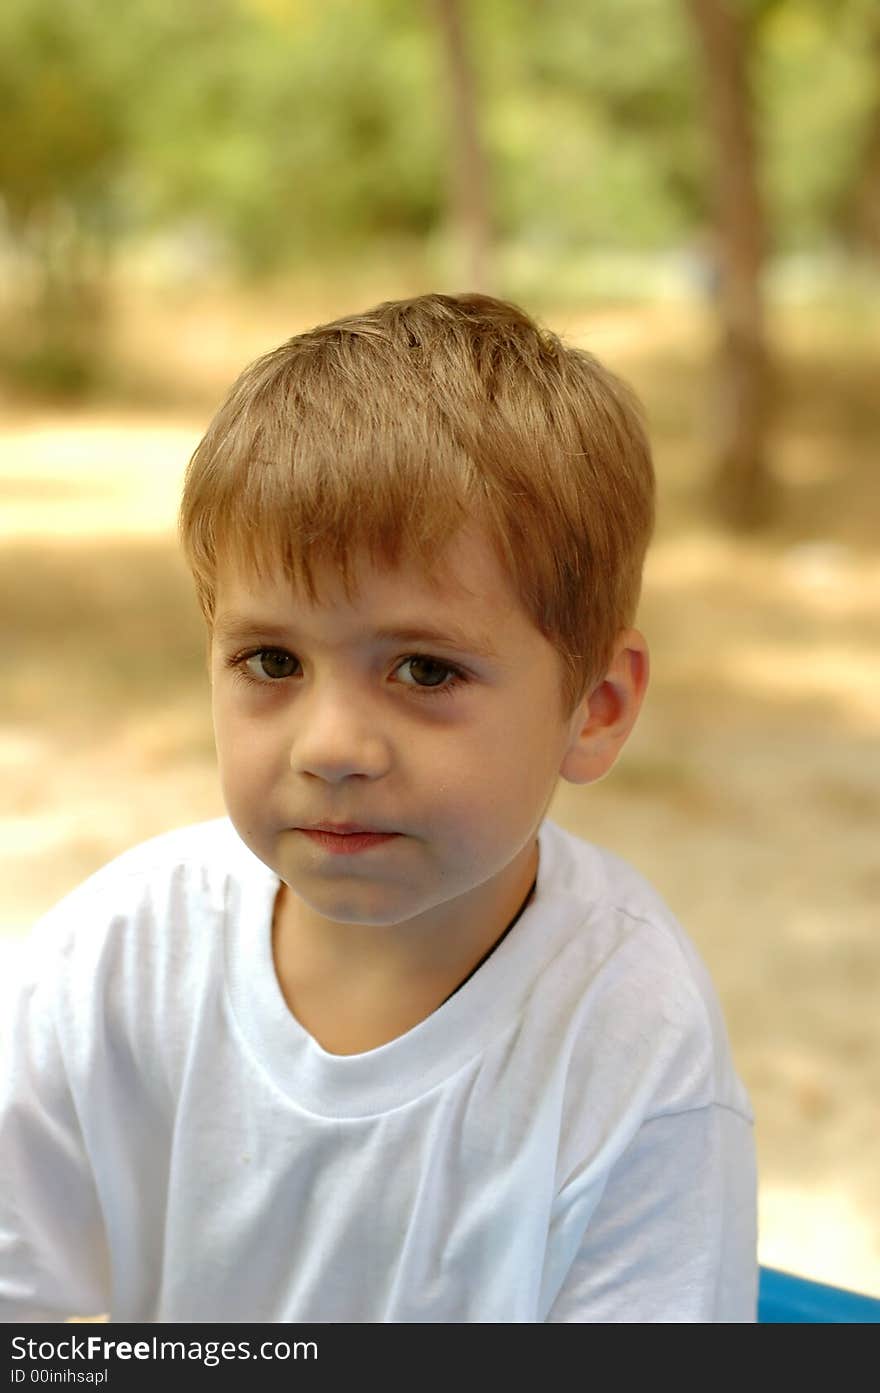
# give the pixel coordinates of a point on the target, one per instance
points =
(386, 1044)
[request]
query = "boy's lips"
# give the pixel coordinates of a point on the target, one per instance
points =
(355, 838)
(343, 829)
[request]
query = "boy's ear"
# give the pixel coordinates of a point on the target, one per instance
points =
(602, 722)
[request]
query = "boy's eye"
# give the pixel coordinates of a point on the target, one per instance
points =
(418, 666)
(269, 660)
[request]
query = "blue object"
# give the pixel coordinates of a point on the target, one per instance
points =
(784, 1299)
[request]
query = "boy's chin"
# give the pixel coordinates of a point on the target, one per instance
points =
(358, 910)
(368, 910)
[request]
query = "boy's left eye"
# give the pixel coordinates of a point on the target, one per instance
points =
(420, 662)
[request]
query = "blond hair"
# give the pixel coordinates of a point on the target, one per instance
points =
(382, 433)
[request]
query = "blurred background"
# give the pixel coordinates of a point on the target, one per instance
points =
(688, 188)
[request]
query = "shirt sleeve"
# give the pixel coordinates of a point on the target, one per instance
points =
(673, 1238)
(53, 1253)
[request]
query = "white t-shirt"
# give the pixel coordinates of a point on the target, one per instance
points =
(564, 1139)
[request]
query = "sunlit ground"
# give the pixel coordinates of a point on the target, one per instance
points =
(749, 792)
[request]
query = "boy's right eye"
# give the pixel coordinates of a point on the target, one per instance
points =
(240, 668)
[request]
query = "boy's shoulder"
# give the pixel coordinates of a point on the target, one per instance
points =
(586, 868)
(210, 842)
(611, 891)
(637, 975)
(204, 854)
(153, 897)
(138, 949)
(617, 924)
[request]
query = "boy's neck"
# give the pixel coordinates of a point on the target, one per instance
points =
(354, 987)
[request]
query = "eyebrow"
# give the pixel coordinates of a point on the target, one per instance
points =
(236, 626)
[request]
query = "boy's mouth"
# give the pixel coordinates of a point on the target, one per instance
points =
(353, 838)
(342, 829)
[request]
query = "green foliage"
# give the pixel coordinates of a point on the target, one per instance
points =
(63, 109)
(298, 129)
(307, 129)
(815, 78)
(595, 134)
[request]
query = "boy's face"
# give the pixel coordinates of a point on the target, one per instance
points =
(343, 724)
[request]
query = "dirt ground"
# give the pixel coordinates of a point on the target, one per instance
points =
(749, 792)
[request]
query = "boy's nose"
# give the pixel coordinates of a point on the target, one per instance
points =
(336, 738)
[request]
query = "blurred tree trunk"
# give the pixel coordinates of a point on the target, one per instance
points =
(468, 163)
(862, 216)
(55, 343)
(742, 490)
